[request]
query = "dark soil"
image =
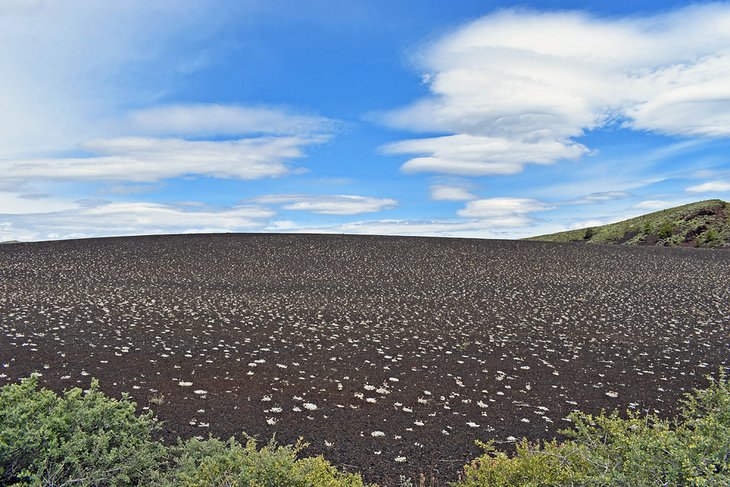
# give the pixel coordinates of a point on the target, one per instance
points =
(627, 236)
(433, 342)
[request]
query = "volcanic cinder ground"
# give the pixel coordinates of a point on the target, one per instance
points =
(388, 355)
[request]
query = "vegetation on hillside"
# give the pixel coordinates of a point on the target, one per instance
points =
(85, 438)
(700, 224)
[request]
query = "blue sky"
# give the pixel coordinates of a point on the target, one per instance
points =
(474, 119)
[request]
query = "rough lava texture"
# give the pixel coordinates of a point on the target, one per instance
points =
(389, 355)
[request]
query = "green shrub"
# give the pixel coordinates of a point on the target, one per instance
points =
(665, 230)
(84, 438)
(214, 463)
(87, 439)
(79, 438)
(638, 451)
(533, 466)
(711, 235)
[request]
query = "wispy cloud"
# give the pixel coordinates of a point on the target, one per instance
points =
(520, 87)
(147, 159)
(75, 75)
(337, 204)
(599, 197)
(477, 155)
(108, 219)
(485, 218)
(70, 67)
(17, 203)
(127, 189)
(710, 187)
(199, 120)
(654, 205)
(444, 192)
(503, 212)
(427, 228)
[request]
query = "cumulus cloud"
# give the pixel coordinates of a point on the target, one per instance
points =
(710, 187)
(443, 192)
(519, 87)
(339, 204)
(148, 159)
(135, 218)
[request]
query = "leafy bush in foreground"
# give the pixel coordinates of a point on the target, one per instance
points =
(79, 438)
(606, 450)
(214, 463)
(87, 439)
(84, 438)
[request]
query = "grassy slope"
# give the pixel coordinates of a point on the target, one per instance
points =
(700, 224)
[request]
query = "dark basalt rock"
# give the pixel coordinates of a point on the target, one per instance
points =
(432, 342)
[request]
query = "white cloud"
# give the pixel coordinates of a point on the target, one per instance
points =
(495, 218)
(710, 187)
(503, 212)
(146, 159)
(19, 203)
(72, 71)
(654, 205)
(485, 228)
(108, 219)
(67, 67)
(425, 228)
(227, 120)
(442, 192)
(518, 87)
(602, 196)
(502, 208)
(127, 189)
(339, 204)
(588, 224)
(472, 155)
(487, 218)
(281, 225)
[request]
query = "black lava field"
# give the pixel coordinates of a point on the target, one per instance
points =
(389, 355)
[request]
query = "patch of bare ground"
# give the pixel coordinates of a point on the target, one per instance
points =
(389, 355)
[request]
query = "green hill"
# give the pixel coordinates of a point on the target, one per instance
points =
(700, 224)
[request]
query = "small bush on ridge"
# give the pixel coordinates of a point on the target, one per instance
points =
(666, 230)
